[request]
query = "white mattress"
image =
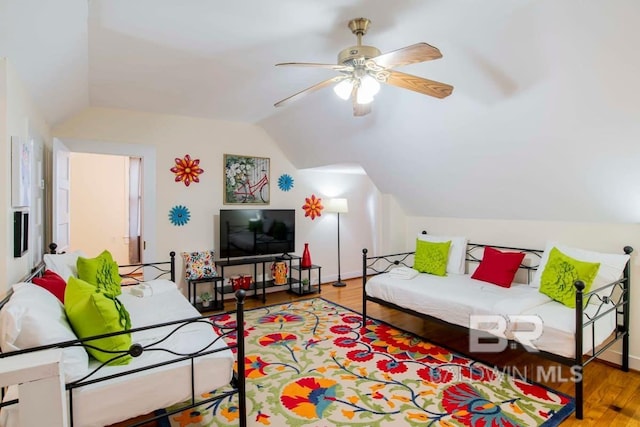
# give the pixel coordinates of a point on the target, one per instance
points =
(454, 298)
(559, 328)
(119, 399)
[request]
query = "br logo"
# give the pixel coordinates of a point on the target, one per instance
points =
(491, 333)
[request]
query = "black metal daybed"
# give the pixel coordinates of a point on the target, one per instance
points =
(606, 304)
(172, 361)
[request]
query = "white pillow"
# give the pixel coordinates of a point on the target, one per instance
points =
(63, 264)
(457, 251)
(34, 317)
(611, 265)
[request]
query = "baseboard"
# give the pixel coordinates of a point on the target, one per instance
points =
(615, 357)
(330, 278)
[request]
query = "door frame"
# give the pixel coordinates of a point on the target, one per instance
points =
(60, 195)
(148, 155)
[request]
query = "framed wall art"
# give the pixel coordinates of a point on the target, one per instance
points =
(21, 155)
(246, 180)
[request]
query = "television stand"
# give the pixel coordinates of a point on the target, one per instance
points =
(258, 262)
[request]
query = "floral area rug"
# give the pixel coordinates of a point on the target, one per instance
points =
(311, 363)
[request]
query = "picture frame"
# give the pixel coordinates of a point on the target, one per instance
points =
(21, 158)
(246, 180)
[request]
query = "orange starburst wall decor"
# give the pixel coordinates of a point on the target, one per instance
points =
(187, 170)
(313, 206)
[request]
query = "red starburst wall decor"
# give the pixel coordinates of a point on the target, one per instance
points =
(187, 170)
(313, 206)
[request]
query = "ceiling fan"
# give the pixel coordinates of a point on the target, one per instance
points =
(363, 68)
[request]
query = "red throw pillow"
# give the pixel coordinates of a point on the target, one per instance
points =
(498, 267)
(52, 282)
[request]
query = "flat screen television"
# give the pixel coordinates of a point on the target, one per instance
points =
(256, 232)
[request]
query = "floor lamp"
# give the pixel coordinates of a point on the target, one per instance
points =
(338, 206)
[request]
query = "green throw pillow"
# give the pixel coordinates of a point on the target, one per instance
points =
(431, 257)
(561, 272)
(102, 272)
(93, 313)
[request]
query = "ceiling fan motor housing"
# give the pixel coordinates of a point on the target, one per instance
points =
(349, 55)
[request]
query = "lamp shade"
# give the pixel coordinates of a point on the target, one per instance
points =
(336, 205)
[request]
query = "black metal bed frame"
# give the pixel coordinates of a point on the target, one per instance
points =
(131, 273)
(618, 296)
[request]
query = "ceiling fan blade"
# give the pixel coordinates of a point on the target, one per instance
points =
(311, 89)
(336, 67)
(360, 109)
(418, 84)
(413, 54)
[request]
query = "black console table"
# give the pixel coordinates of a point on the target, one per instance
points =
(262, 262)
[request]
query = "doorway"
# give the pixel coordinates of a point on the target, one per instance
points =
(146, 224)
(106, 190)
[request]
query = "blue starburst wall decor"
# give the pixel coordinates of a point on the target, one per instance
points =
(179, 215)
(285, 182)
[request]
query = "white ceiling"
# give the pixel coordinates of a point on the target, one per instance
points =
(543, 123)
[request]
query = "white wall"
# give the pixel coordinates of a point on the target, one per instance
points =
(99, 195)
(209, 140)
(392, 225)
(17, 115)
(357, 227)
(5, 186)
(602, 237)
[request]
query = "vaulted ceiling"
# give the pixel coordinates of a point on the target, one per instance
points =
(543, 123)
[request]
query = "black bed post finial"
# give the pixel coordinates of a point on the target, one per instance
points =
(242, 406)
(52, 248)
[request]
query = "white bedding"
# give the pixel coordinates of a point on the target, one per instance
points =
(455, 297)
(119, 399)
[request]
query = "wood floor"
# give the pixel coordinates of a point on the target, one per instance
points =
(612, 397)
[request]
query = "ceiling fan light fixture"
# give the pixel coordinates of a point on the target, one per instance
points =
(370, 85)
(363, 97)
(344, 88)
